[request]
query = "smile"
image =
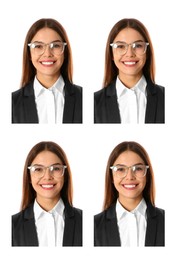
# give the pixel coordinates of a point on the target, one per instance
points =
(47, 186)
(129, 186)
(129, 63)
(47, 62)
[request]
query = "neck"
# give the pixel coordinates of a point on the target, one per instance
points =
(128, 203)
(47, 81)
(129, 80)
(47, 204)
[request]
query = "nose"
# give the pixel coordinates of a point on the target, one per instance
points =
(47, 174)
(47, 51)
(130, 174)
(130, 52)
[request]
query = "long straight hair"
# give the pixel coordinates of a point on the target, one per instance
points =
(28, 70)
(111, 71)
(111, 194)
(28, 193)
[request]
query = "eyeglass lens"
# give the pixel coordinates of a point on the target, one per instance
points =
(55, 47)
(137, 47)
(138, 170)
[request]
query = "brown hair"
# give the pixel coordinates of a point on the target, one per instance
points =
(29, 194)
(28, 70)
(111, 71)
(111, 194)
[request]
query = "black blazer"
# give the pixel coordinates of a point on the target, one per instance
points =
(106, 232)
(24, 231)
(106, 108)
(24, 108)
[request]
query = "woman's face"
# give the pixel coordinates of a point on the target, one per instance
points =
(130, 188)
(130, 64)
(48, 64)
(49, 186)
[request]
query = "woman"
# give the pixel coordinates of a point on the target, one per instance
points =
(47, 216)
(47, 94)
(129, 93)
(129, 216)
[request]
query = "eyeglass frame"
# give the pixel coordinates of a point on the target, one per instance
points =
(113, 44)
(129, 167)
(47, 167)
(45, 44)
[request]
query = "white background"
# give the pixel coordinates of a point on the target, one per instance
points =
(87, 146)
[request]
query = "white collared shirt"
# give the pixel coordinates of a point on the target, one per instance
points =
(50, 102)
(132, 102)
(132, 225)
(50, 225)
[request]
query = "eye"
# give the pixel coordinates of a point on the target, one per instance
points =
(37, 169)
(56, 168)
(120, 46)
(38, 46)
(56, 45)
(139, 168)
(121, 169)
(138, 45)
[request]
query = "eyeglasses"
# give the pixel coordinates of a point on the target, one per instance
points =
(56, 47)
(121, 48)
(121, 171)
(55, 170)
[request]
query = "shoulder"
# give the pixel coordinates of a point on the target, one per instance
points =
(160, 212)
(154, 211)
(18, 216)
(100, 217)
(160, 89)
(25, 213)
(72, 88)
(155, 88)
(71, 211)
(108, 213)
(27, 89)
(110, 90)
(77, 212)
(17, 93)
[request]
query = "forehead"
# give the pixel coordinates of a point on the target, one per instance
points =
(46, 35)
(46, 158)
(128, 158)
(128, 35)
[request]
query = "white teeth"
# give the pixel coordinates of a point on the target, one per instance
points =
(129, 62)
(130, 186)
(47, 186)
(47, 62)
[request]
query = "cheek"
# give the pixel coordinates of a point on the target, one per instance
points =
(116, 183)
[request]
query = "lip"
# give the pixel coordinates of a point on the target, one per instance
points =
(47, 63)
(47, 186)
(130, 63)
(130, 186)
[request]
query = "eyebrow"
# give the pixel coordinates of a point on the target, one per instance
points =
(131, 165)
(49, 42)
(37, 164)
(131, 42)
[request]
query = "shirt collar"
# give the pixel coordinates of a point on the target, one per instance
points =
(121, 211)
(122, 89)
(58, 209)
(58, 85)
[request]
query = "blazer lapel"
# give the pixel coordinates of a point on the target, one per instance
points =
(30, 111)
(151, 226)
(30, 233)
(151, 103)
(69, 103)
(113, 113)
(69, 226)
(112, 228)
